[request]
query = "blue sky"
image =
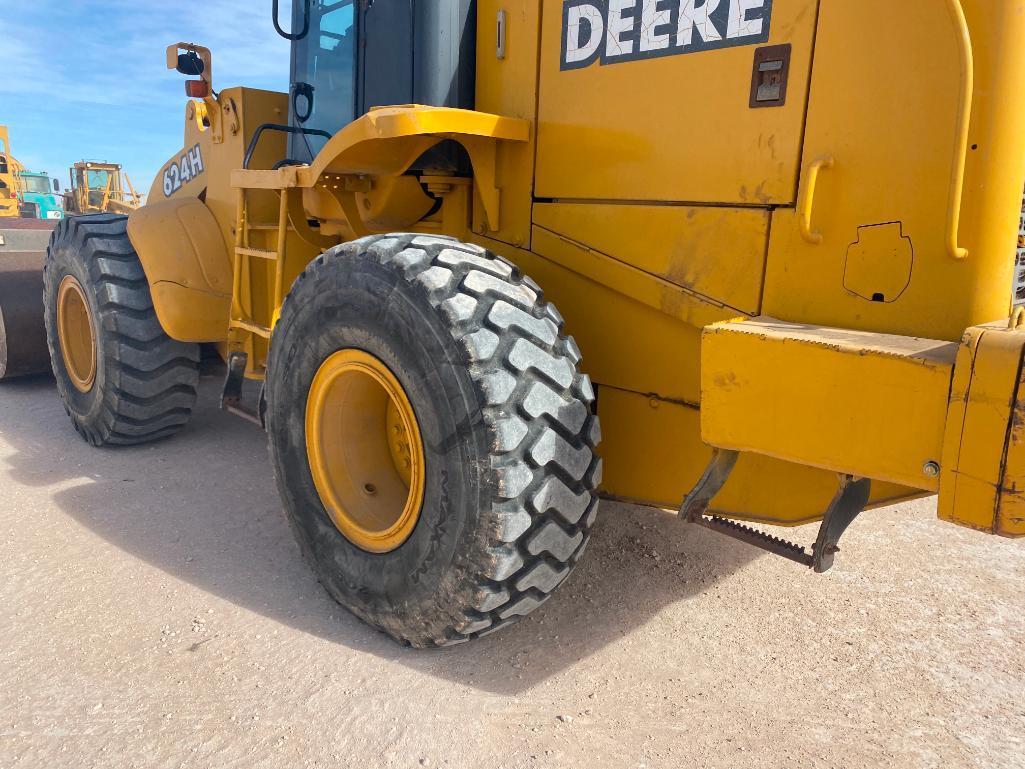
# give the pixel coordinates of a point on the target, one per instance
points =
(86, 79)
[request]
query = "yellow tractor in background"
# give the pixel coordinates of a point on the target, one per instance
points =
(9, 170)
(781, 232)
(98, 188)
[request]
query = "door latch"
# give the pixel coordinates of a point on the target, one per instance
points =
(769, 80)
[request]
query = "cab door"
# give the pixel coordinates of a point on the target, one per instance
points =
(673, 100)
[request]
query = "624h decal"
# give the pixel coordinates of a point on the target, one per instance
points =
(183, 171)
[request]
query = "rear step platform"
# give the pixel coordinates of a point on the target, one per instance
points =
(848, 503)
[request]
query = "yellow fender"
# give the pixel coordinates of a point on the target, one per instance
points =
(183, 253)
(386, 141)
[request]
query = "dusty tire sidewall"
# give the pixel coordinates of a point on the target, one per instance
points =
(356, 302)
(65, 259)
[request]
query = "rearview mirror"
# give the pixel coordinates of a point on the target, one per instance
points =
(190, 64)
(56, 186)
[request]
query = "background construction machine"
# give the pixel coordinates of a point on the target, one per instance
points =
(23, 193)
(9, 168)
(39, 196)
(98, 188)
(782, 233)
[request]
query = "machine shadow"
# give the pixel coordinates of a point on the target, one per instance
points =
(203, 508)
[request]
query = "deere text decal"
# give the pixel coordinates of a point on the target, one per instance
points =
(611, 31)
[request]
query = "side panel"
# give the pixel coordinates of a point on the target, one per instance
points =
(888, 94)
(714, 251)
(637, 332)
(661, 109)
(508, 86)
(641, 342)
(653, 454)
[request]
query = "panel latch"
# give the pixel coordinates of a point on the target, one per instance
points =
(771, 72)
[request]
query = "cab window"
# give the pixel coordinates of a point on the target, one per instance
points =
(325, 63)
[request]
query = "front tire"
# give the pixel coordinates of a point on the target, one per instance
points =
(508, 433)
(122, 379)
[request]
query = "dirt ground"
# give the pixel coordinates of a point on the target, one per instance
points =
(154, 612)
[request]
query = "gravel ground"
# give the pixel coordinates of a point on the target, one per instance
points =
(154, 612)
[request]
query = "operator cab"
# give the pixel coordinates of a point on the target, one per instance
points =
(349, 56)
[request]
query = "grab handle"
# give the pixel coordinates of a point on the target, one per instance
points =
(966, 59)
(293, 36)
(806, 206)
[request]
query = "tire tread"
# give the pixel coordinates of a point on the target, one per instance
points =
(538, 408)
(150, 380)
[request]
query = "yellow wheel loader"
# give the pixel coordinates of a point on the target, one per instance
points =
(98, 188)
(9, 170)
(782, 234)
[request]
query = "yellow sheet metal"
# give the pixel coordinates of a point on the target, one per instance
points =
(983, 475)
(179, 243)
(717, 252)
(667, 124)
(888, 108)
(653, 453)
(869, 405)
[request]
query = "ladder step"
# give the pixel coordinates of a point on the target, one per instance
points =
(789, 550)
(260, 253)
(268, 226)
(252, 328)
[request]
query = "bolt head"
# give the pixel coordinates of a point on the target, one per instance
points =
(931, 469)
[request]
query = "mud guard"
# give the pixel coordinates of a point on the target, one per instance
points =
(186, 262)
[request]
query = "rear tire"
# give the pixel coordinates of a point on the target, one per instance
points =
(143, 384)
(505, 416)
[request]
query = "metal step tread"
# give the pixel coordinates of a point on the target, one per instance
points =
(260, 253)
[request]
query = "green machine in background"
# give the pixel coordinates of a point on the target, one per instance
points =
(39, 196)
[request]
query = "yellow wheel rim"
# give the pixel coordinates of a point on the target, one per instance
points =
(365, 451)
(76, 334)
